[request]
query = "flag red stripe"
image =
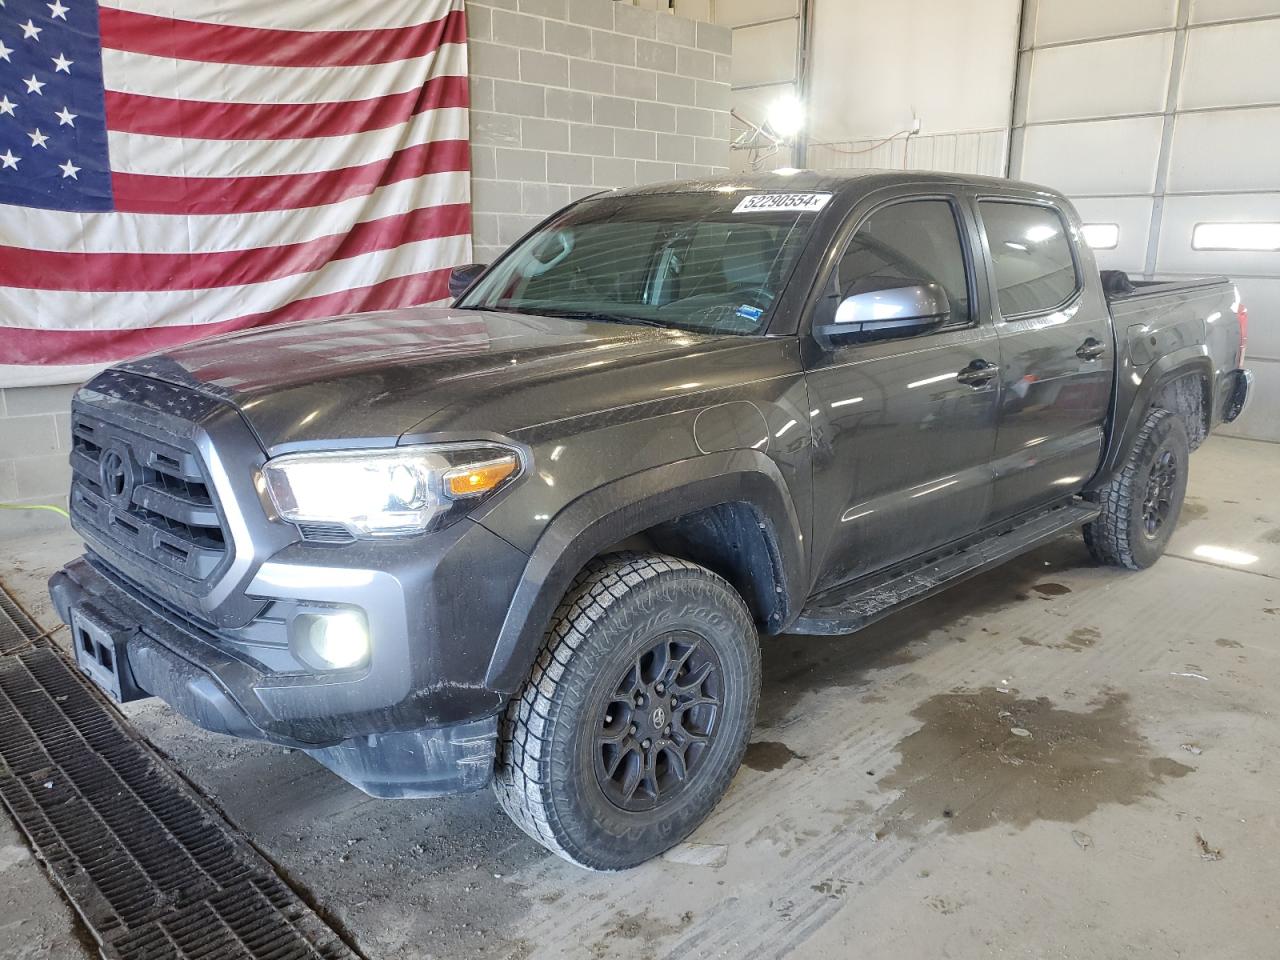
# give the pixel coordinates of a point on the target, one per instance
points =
(146, 193)
(120, 272)
(20, 345)
(258, 46)
(163, 117)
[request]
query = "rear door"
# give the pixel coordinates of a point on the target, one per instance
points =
(1056, 353)
(903, 443)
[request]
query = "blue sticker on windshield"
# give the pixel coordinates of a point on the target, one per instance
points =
(748, 312)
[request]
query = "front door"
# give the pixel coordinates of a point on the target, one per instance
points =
(904, 430)
(1056, 357)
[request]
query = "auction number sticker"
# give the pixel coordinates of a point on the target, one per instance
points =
(768, 202)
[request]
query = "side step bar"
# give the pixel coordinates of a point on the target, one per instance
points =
(848, 608)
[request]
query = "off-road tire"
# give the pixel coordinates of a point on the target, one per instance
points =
(546, 778)
(1118, 537)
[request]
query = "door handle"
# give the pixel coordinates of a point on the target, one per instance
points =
(1091, 349)
(978, 373)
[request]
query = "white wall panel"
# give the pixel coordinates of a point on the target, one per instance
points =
(1102, 78)
(1232, 65)
(982, 152)
(876, 63)
(1133, 216)
(1226, 150)
(1060, 20)
(1208, 11)
(1181, 214)
(1094, 158)
(765, 53)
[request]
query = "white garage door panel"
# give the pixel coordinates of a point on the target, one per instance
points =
(1059, 20)
(1225, 150)
(1106, 78)
(1262, 297)
(737, 12)
(1232, 65)
(756, 53)
(1098, 158)
(1133, 216)
(1259, 420)
(1208, 11)
(1181, 214)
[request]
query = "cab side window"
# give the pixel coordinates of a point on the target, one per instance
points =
(1030, 256)
(917, 241)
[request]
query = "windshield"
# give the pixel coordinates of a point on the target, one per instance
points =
(707, 262)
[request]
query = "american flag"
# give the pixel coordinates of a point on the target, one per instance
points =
(173, 170)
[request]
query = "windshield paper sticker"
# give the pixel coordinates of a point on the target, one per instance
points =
(768, 202)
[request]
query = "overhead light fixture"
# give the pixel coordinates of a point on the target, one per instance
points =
(785, 116)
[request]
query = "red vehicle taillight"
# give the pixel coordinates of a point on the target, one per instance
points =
(1242, 315)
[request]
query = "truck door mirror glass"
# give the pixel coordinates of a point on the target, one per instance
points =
(899, 311)
(462, 276)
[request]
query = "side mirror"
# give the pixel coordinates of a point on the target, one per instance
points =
(464, 276)
(902, 311)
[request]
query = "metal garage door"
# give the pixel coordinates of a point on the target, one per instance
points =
(1161, 119)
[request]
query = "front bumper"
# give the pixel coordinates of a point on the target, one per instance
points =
(428, 731)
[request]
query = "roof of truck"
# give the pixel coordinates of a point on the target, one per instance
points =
(790, 179)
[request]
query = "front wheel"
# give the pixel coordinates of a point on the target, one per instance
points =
(1141, 503)
(636, 715)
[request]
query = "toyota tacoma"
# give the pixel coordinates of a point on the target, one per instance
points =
(531, 540)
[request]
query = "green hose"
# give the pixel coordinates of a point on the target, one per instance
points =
(36, 506)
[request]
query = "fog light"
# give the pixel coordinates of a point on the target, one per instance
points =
(331, 641)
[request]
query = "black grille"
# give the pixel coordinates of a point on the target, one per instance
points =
(147, 495)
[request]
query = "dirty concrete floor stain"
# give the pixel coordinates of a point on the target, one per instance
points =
(639, 926)
(766, 755)
(1192, 509)
(964, 765)
(1271, 536)
(1051, 589)
(1077, 641)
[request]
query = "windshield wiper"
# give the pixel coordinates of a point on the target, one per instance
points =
(581, 315)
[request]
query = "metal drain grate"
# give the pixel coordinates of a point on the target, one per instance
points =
(17, 630)
(152, 869)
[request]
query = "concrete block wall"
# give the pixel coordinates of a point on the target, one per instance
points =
(35, 440)
(570, 97)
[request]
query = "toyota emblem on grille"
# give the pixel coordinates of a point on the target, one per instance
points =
(114, 472)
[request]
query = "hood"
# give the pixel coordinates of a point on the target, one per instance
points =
(373, 377)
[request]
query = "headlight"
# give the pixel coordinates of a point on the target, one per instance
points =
(382, 493)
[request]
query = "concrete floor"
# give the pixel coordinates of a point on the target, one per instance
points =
(886, 807)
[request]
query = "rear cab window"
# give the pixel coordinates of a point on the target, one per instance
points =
(1032, 260)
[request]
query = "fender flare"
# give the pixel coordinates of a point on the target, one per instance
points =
(1172, 366)
(625, 507)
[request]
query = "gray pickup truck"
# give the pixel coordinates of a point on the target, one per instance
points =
(531, 540)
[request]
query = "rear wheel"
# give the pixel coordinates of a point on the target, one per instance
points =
(636, 714)
(1141, 503)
